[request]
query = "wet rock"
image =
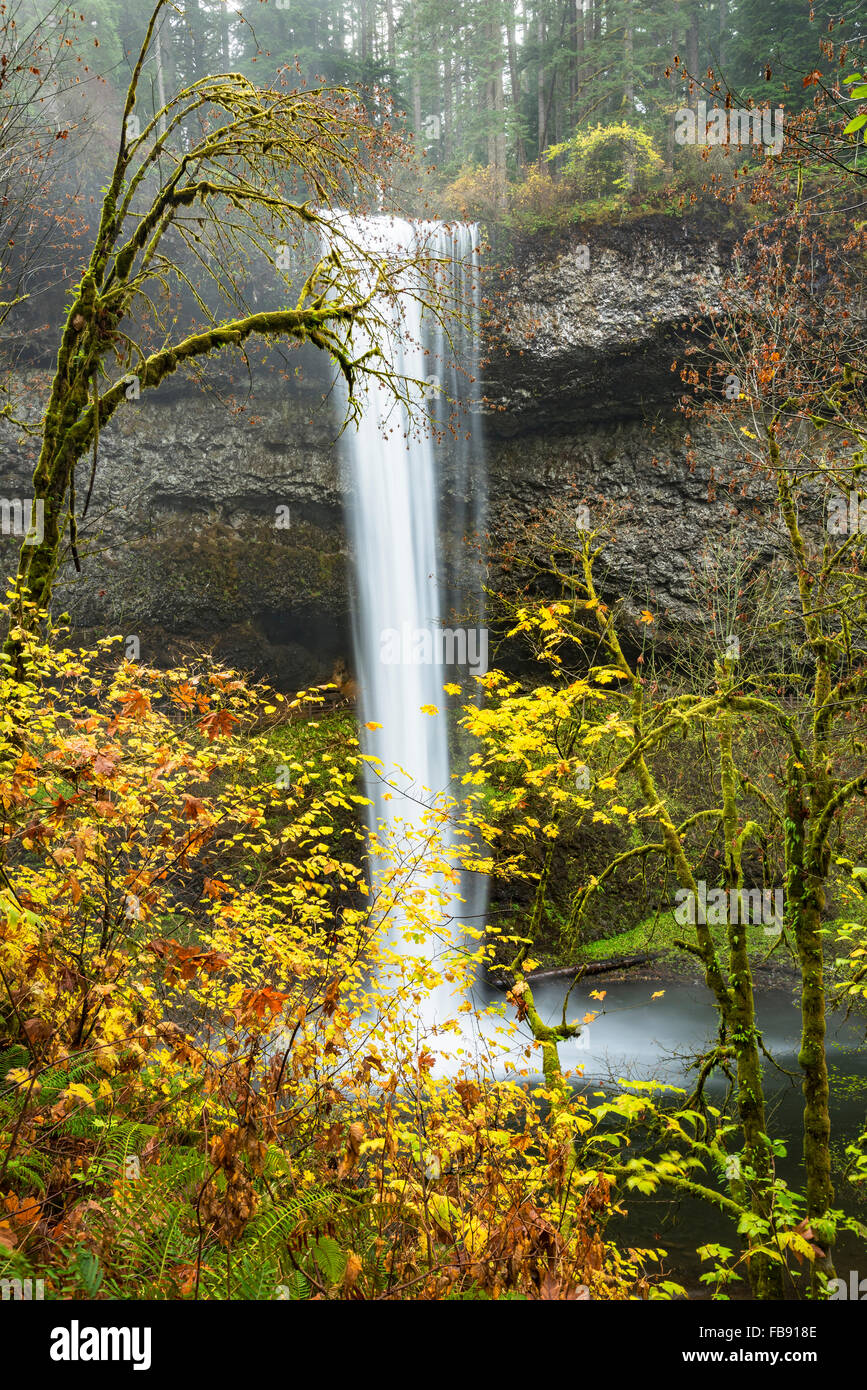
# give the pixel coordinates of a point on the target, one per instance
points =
(220, 521)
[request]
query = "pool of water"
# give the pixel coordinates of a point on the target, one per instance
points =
(635, 1037)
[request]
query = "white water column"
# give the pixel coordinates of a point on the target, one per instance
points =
(400, 589)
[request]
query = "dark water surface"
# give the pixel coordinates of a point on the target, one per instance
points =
(639, 1038)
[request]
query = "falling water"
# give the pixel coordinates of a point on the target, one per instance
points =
(407, 580)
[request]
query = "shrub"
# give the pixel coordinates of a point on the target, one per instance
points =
(215, 1076)
(539, 201)
(476, 195)
(596, 159)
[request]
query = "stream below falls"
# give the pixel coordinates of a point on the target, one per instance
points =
(640, 1039)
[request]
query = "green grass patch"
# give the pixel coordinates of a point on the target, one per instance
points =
(306, 737)
(659, 933)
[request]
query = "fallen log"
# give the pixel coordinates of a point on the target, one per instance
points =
(586, 968)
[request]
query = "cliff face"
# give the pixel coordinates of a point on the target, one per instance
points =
(589, 327)
(208, 528)
(227, 529)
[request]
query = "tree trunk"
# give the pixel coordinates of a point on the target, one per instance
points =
(578, 61)
(741, 1030)
(692, 58)
(805, 900)
(416, 75)
(629, 95)
(448, 102)
(189, 41)
(494, 104)
(389, 29)
(158, 59)
(224, 37)
(515, 83)
(540, 83)
(669, 131)
(364, 36)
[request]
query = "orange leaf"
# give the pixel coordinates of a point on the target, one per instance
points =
(219, 722)
(136, 704)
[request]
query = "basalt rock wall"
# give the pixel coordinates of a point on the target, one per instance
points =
(224, 527)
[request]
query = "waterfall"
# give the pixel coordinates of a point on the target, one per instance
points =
(413, 576)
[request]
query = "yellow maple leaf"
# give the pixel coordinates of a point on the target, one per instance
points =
(429, 709)
(372, 725)
(78, 1092)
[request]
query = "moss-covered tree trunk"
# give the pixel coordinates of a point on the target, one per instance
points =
(805, 900)
(757, 1169)
(810, 808)
(734, 996)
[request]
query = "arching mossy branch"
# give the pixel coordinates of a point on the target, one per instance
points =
(212, 168)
